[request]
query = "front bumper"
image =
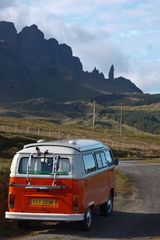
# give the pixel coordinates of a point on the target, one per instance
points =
(44, 216)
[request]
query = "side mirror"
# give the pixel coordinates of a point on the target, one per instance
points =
(115, 162)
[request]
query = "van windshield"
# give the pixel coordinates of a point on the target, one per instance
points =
(44, 165)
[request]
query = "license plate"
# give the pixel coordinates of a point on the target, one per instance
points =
(42, 202)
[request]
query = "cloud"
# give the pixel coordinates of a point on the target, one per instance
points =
(101, 52)
(147, 76)
(6, 4)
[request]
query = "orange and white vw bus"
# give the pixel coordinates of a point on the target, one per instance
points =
(61, 181)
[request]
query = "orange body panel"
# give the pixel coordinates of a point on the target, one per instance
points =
(92, 189)
(23, 197)
(98, 187)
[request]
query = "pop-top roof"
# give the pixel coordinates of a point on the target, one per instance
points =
(78, 144)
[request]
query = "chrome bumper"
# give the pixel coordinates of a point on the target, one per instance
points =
(44, 216)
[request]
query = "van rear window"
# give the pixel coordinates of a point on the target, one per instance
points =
(41, 165)
(89, 163)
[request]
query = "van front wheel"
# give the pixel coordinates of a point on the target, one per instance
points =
(87, 222)
(106, 209)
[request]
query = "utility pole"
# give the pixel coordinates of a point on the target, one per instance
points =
(121, 119)
(94, 115)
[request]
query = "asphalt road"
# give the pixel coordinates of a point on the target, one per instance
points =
(134, 218)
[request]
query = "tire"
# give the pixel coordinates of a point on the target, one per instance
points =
(106, 209)
(87, 222)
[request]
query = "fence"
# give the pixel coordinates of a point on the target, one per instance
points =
(33, 132)
(51, 134)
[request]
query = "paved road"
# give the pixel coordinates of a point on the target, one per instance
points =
(138, 218)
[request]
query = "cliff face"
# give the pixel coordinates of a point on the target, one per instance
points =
(8, 33)
(31, 66)
(32, 46)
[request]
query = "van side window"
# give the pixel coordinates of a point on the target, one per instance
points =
(89, 163)
(101, 159)
(108, 156)
(104, 160)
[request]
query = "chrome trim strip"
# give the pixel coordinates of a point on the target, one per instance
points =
(45, 187)
(40, 187)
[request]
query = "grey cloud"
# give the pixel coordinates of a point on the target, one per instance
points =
(147, 76)
(103, 55)
(7, 3)
(80, 35)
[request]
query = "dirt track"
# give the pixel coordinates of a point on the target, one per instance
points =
(138, 218)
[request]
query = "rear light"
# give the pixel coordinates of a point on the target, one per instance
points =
(75, 202)
(11, 200)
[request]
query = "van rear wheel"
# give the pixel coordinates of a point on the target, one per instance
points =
(87, 222)
(106, 209)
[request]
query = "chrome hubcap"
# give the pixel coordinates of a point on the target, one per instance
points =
(109, 205)
(88, 217)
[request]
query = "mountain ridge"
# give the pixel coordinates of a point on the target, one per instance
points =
(33, 67)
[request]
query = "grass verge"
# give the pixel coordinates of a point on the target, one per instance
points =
(123, 185)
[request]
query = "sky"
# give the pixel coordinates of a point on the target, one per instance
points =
(125, 33)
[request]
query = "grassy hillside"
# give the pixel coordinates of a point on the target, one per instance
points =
(132, 141)
(143, 117)
(140, 111)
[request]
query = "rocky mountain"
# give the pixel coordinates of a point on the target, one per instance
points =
(34, 67)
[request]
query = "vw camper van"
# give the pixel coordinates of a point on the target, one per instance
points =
(61, 181)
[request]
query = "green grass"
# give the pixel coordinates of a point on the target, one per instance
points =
(5, 165)
(151, 160)
(148, 108)
(4, 179)
(7, 227)
(123, 185)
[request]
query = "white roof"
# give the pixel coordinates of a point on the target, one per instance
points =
(77, 144)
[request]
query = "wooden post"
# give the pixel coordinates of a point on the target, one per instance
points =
(59, 135)
(112, 144)
(94, 114)
(38, 132)
(49, 134)
(120, 127)
(15, 129)
(27, 130)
